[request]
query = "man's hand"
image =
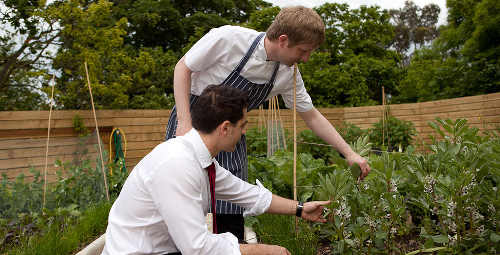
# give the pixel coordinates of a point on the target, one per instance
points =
(183, 127)
(362, 162)
(263, 249)
(313, 211)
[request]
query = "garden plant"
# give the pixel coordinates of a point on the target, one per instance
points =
(443, 200)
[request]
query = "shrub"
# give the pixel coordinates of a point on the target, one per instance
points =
(398, 133)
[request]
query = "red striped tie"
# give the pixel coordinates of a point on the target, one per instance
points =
(211, 178)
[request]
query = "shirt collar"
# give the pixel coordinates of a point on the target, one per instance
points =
(200, 149)
(260, 50)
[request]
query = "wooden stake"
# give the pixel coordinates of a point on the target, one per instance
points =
(272, 125)
(259, 120)
(295, 132)
(97, 130)
(269, 129)
(282, 128)
(275, 114)
(295, 142)
(47, 146)
(383, 116)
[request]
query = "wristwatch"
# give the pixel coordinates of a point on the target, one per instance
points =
(300, 207)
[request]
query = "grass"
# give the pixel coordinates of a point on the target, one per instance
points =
(280, 230)
(74, 237)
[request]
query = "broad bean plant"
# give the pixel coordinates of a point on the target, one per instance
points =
(443, 200)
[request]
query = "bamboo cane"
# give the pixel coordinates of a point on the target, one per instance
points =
(282, 128)
(383, 116)
(47, 145)
(97, 130)
(275, 113)
(295, 132)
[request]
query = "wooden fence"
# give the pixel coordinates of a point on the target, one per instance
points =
(23, 134)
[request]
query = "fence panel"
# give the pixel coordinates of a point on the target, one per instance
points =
(23, 134)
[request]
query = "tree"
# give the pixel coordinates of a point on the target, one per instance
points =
(262, 19)
(463, 60)
(355, 61)
(151, 23)
(414, 27)
(121, 76)
(30, 29)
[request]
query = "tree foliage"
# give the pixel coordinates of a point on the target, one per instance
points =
(463, 60)
(131, 48)
(355, 61)
(29, 30)
(414, 27)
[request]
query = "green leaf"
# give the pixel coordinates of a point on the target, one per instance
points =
(494, 237)
(440, 239)
(381, 235)
(426, 250)
(355, 171)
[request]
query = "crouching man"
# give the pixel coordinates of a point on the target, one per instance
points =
(162, 206)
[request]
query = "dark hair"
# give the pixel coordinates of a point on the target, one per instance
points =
(217, 104)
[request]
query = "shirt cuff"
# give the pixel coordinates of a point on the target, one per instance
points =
(263, 201)
(234, 245)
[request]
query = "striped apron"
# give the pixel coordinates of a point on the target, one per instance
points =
(236, 161)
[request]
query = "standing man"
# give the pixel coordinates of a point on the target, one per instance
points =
(162, 206)
(262, 65)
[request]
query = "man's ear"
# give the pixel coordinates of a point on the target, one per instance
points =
(283, 41)
(224, 128)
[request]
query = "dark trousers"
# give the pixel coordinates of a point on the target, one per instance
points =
(233, 223)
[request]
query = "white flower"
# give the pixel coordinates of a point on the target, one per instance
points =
(337, 211)
(491, 208)
(346, 234)
(452, 239)
(476, 215)
(394, 186)
(480, 230)
(394, 230)
(370, 222)
(451, 208)
(452, 226)
(434, 210)
(356, 242)
(429, 184)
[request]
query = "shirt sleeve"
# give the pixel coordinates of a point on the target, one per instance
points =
(255, 198)
(207, 51)
(304, 102)
(176, 192)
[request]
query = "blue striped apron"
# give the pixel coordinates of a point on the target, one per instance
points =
(236, 162)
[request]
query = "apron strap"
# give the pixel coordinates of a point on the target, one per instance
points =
(250, 51)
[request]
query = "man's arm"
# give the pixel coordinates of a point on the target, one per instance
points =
(262, 249)
(182, 90)
(312, 211)
(322, 128)
(257, 199)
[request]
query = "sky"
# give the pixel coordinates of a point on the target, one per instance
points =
(354, 4)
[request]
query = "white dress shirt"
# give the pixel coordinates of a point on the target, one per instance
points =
(217, 53)
(162, 205)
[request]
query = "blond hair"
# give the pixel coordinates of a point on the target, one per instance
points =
(300, 24)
